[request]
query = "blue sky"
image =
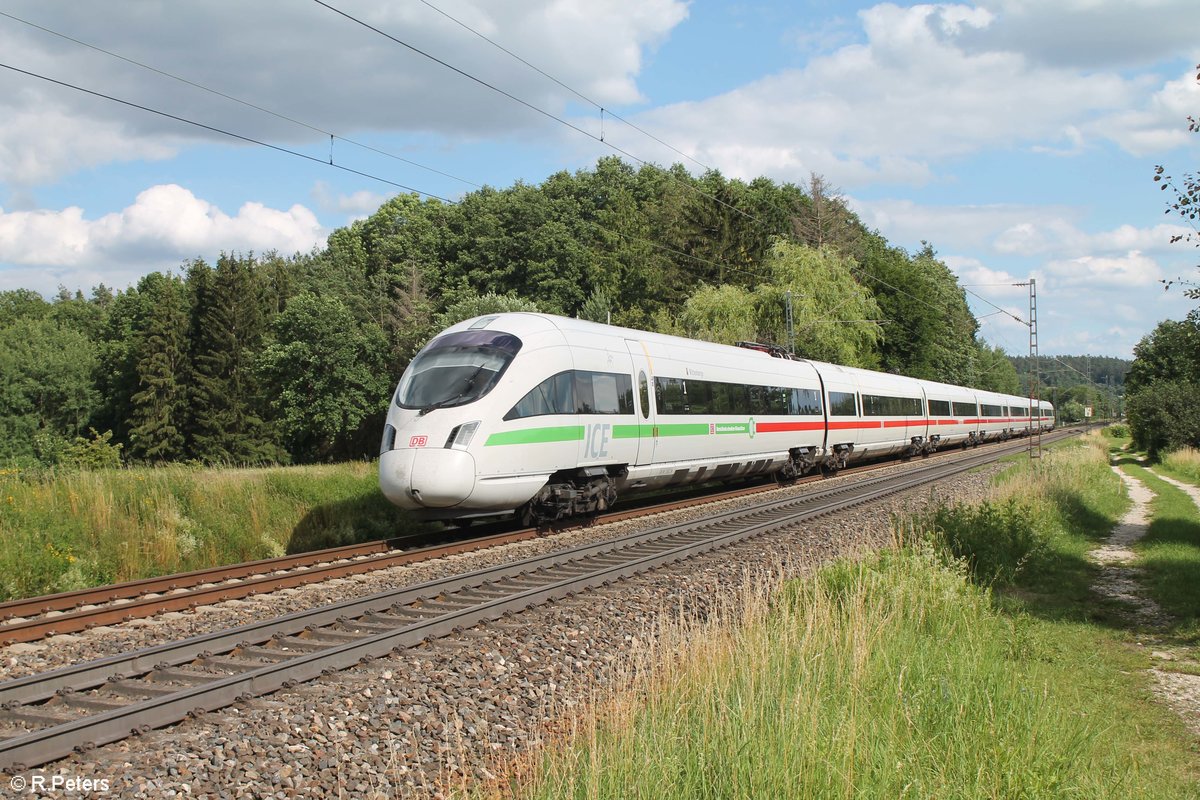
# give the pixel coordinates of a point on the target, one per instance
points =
(1018, 137)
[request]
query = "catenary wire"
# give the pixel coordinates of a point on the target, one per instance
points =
(223, 132)
(251, 140)
(570, 89)
(238, 100)
(380, 151)
(525, 103)
(307, 157)
(1000, 309)
(576, 128)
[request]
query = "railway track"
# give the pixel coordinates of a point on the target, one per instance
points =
(36, 618)
(47, 716)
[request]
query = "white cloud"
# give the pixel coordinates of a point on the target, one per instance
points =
(164, 226)
(1132, 270)
(967, 228)
(1159, 126)
(993, 283)
(357, 204)
(1010, 230)
(42, 142)
(933, 83)
(307, 63)
(1089, 34)
(1057, 237)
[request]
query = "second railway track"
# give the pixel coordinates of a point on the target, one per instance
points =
(52, 714)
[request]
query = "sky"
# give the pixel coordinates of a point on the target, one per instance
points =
(1018, 137)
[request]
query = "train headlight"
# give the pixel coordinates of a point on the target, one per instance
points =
(389, 439)
(460, 437)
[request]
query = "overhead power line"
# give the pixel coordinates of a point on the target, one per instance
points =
(316, 129)
(224, 132)
(570, 89)
(548, 114)
(999, 309)
(247, 103)
(360, 173)
(333, 136)
(598, 106)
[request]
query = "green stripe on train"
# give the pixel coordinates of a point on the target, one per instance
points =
(647, 431)
(576, 433)
(564, 433)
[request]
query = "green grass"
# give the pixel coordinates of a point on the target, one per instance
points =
(890, 677)
(1183, 465)
(1170, 552)
(902, 676)
(1073, 500)
(77, 529)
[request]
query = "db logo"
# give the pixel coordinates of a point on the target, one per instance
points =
(418, 441)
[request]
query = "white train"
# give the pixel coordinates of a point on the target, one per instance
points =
(551, 417)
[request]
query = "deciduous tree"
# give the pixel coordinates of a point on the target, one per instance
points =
(327, 375)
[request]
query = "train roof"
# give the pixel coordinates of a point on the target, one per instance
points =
(530, 322)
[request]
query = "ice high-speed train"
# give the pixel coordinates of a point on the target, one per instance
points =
(551, 417)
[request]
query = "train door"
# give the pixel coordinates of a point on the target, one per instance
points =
(646, 429)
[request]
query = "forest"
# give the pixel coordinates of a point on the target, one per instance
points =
(267, 358)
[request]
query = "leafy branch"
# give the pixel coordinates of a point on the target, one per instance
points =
(1186, 204)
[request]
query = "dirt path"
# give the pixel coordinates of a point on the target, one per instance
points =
(1118, 580)
(1118, 577)
(1187, 488)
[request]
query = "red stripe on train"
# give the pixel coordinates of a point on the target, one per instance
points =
(778, 427)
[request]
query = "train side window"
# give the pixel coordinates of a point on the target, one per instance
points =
(670, 395)
(778, 400)
(603, 393)
(728, 398)
(700, 396)
(644, 395)
(624, 394)
(875, 405)
(555, 395)
(805, 401)
(758, 399)
(841, 404)
(965, 410)
(939, 408)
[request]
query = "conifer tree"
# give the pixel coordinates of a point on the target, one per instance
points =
(227, 424)
(158, 418)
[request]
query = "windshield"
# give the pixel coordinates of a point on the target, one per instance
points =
(456, 369)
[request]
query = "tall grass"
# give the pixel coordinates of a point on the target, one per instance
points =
(900, 675)
(75, 529)
(1037, 522)
(1184, 463)
(889, 677)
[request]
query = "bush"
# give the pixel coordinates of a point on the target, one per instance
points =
(96, 453)
(996, 540)
(1117, 431)
(1164, 416)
